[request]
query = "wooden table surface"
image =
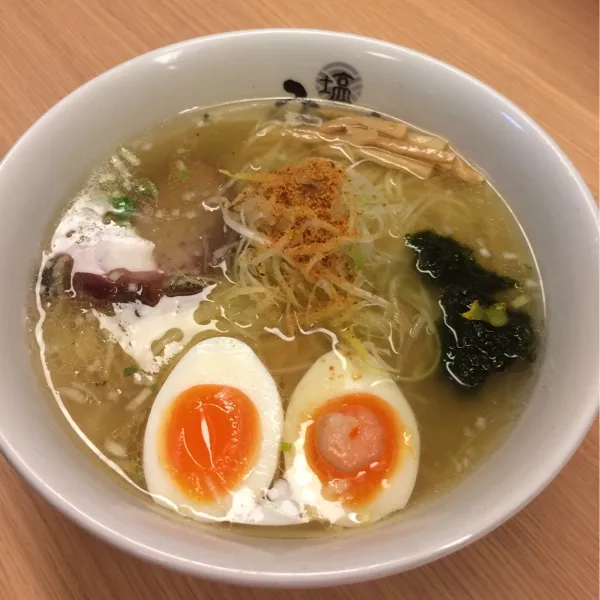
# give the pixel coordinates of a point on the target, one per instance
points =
(542, 54)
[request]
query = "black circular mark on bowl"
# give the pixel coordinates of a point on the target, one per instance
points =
(295, 87)
(339, 82)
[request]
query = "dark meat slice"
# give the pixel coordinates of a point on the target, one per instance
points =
(207, 253)
(185, 238)
(120, 286)
(183, 278)
(117, 286)
(192, 250)
(185, 233)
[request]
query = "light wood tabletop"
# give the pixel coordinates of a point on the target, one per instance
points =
(542, 54)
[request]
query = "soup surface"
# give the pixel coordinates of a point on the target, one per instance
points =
(287, 313)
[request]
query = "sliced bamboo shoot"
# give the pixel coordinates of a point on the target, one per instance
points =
(353, 136)
(337, 151)
(391, 129)
(388, 159)
(425, 154)
(426, 141)
(463, 170)
(331, 112)
(307, 135)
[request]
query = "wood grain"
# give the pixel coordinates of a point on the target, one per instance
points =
(542, 54)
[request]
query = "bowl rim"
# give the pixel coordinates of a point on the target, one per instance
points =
(375, 569)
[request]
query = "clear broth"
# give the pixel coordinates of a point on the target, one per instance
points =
(111, 404)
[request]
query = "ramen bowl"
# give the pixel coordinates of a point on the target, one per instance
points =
(539, 183)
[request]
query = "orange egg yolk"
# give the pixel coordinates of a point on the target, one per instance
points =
(353, 445)
(211, 439)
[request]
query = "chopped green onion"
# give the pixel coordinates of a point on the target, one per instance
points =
(183, 175)
(124, 209)
(475, 312)
(285, 447)
(494, 315)
(129, 371)
(147, 188)
(123, 204)
(357, 256)
(520, 301)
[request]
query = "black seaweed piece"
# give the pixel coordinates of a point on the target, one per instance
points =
(58, 279)
(472, 350)
(451, 263)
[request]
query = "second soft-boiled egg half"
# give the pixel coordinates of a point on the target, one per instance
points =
(353, 442)
(213, 436)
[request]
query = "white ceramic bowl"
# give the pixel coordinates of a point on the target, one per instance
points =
(544, 190)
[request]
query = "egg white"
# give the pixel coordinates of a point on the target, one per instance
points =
(331, 376)
(220, 361)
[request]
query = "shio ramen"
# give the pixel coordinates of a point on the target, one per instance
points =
(287, 313)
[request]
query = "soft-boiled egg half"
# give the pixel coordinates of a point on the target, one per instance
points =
(213, 436)
(353, 442)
